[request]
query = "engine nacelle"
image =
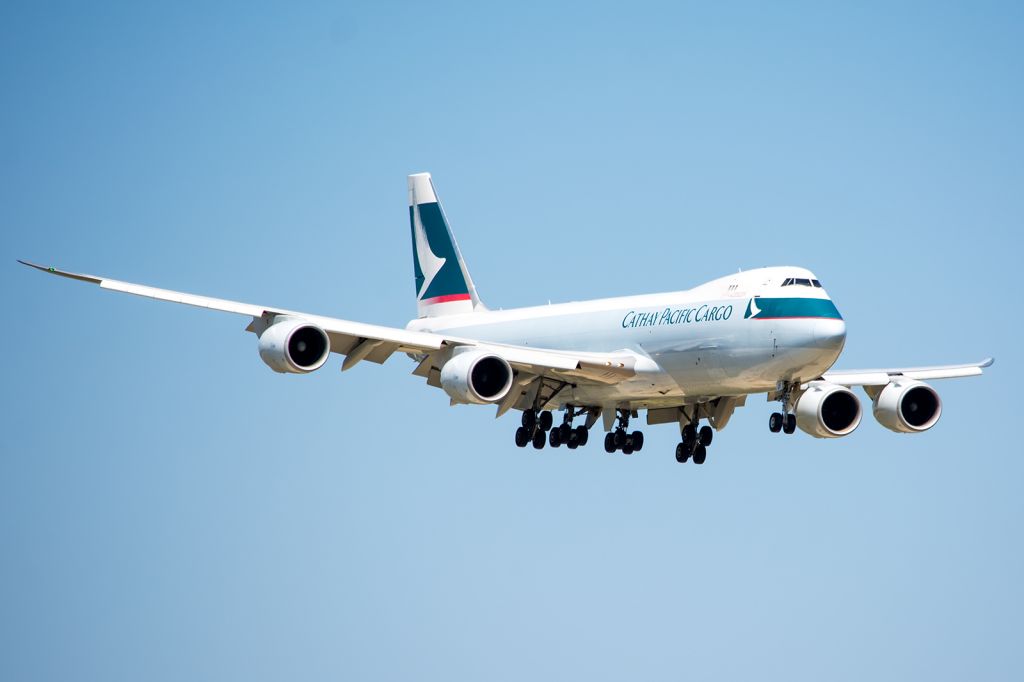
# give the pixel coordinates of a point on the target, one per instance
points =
(907, 406)
(294, 346)
(827, 410)
(476, 377)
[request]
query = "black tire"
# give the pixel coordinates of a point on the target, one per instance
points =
(620, 438)
(705, 435)
(555, 438)
(790, 425)
(682, 453)
(573, 442)
(582, 434)
(522, 437)
(700, 453)
(565, 430)
(775, 422)
(609, 443)
(627, 450)
(689, 433)
(545, 421)
(529, 419)
(539, 438)
(638, 441)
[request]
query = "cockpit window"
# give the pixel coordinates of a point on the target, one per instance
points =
(796, 281)
(816, 283)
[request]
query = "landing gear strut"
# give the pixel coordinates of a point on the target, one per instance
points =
(621, 439)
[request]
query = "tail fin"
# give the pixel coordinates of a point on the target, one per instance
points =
(443, 284)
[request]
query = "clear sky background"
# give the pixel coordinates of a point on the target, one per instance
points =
(171, 509)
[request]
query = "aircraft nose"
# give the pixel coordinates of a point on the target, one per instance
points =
(830, 334)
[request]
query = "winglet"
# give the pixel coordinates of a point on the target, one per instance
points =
(62, 273)
(987, 362)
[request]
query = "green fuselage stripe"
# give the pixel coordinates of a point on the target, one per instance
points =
(781, 308)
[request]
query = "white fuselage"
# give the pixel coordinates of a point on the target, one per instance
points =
(733, 336)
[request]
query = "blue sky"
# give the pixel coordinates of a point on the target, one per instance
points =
(171, 509)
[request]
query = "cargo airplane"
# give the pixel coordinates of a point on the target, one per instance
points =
(687, 357)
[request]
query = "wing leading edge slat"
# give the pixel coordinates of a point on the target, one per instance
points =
(880, 377)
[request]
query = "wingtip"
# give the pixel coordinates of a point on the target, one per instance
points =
(987, 362)
(62, 273)
(35, 265)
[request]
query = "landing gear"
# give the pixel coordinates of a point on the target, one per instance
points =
(695, 443)
(785, 421)
(621, 439)
(538, 428)
(782, 422)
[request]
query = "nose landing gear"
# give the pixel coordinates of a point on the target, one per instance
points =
(784, 421)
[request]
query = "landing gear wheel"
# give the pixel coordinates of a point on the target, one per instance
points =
(638, 441)
(555, 438)
(564, 430)
(522, 437)
(700, 454)
(705, 435)
(573, 442)
(627, 446)
(609, 443)
(682, 453)
(545, 421)
(790, 425)
(775, 422)
(582, 434)
(539, 438)
(620, 438)
(529, 419)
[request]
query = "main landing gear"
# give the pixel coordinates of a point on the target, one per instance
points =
(694, 444)
(537, 429)
(565, 434)
(620, 439)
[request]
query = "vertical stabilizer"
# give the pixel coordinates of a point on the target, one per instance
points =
(443, 284)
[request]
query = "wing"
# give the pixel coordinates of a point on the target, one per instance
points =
(881, 377)
(359, 341)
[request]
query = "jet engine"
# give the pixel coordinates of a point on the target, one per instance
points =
(827, 410)
(907, 406)
(476, 377)
(294, 346)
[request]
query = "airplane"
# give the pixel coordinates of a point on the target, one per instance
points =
(684, 357)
